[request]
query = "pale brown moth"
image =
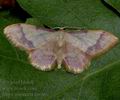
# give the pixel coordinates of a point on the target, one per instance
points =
(47, 47)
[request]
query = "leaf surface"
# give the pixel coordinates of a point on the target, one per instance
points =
(114, 3)
(59, 84)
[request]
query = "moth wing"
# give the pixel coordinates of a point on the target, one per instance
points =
(38, 41)
(44, 57)
(28, 36)
(92, 42)
(75, 60)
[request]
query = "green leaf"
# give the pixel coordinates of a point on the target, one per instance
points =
(114, 3)
(85, 14)
(20, 81)
(103, 84)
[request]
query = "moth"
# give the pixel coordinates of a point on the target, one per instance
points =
(48, 48)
